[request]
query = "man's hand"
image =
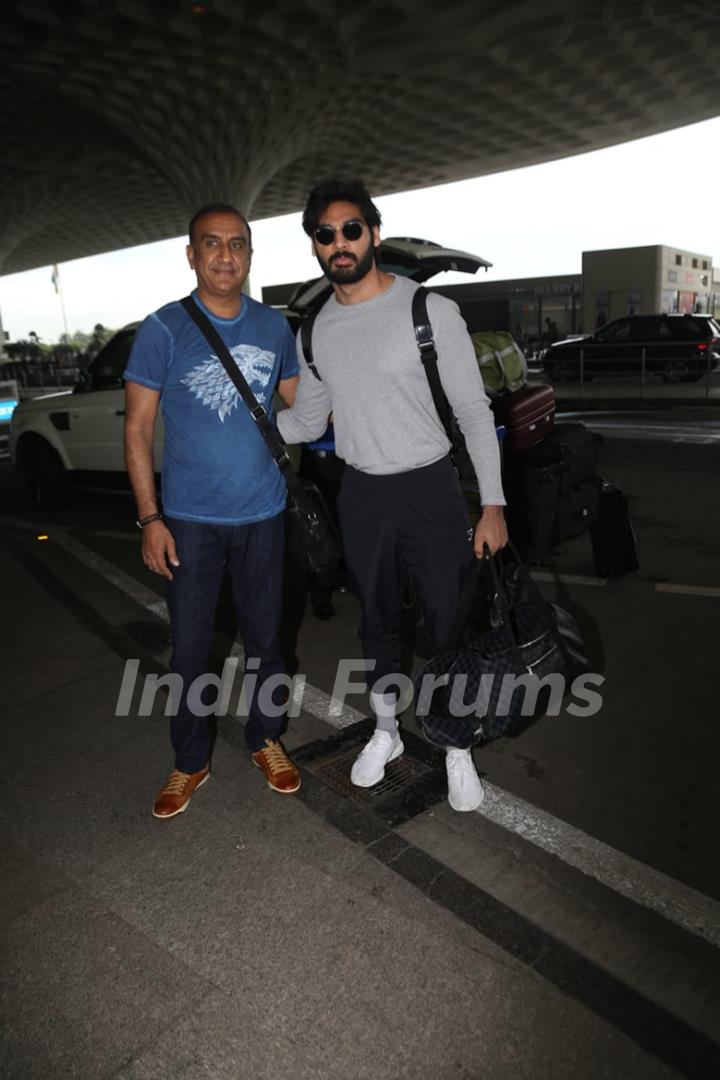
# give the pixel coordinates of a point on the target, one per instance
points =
(491, 530)
(158, 549)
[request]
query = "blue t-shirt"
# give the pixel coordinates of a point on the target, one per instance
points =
(216, 467)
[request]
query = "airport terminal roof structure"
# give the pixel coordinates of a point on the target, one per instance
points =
(120, 117)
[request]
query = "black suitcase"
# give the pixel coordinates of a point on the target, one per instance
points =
(612, 534)
(575, 511)
(540, 514)
(575, 447)
(532, 495)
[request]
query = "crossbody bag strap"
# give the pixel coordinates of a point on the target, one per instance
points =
(306, 330)
(258, 412)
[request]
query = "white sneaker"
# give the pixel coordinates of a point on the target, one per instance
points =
(465, 790)
(369, 767)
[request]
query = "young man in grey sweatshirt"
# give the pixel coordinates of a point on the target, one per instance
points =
(401, 508)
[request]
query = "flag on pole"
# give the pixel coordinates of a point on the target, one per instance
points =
(55, 278)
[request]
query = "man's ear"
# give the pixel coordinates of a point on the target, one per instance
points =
(189, 254)
(375, 233)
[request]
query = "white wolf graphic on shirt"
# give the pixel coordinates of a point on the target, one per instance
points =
(210, 383)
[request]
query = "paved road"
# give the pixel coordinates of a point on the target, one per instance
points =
(600, 832)
(618, 390)
(612, 776)
(695, 426)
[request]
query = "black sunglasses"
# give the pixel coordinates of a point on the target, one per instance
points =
(351, 230)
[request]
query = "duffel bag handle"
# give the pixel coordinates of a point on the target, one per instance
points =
(535, 598)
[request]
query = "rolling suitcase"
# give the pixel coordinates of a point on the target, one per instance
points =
(540, 513)
(528, 416)
(612, 534)
(576, 448)
(532, 496)
(575, 511)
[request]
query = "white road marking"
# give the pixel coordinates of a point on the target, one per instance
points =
(697, 435)
(315, 701)
(648, 435)
(330, 709)
(689, 590)
(642, 884)
(567, 579)
(138, 592)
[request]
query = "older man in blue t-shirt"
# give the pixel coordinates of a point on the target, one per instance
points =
(223, 495)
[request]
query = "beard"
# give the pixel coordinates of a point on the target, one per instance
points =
(349, 275)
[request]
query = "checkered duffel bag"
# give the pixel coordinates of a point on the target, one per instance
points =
(507, 677)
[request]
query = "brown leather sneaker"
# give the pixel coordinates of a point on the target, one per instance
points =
(178, 791)
(279, 770)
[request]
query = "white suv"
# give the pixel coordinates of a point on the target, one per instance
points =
(76, 433)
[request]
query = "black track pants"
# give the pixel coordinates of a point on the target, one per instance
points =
(412, 524)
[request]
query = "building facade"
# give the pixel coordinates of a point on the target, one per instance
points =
(613, 284)
(532, 309)
(644, 281)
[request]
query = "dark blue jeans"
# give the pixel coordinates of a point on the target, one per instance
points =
(253, 557)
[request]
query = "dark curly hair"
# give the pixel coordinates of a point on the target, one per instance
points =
(336, 189)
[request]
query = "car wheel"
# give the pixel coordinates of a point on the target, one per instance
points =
(45, 476)
(675, 371)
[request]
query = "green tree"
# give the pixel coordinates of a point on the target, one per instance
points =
(27, 349)
(100, 336)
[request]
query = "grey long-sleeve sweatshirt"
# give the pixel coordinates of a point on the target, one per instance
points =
(375, 385)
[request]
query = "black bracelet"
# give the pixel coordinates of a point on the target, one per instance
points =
(142, 522)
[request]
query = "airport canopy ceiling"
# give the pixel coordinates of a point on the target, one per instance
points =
(118, 118)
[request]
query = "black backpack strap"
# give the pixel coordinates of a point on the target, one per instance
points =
(428, 355)
(306, 329)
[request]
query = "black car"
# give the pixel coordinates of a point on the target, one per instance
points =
(678, 348)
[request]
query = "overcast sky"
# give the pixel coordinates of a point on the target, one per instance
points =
(528, 223)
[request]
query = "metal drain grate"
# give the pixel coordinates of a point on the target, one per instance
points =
(399, 775)
(411, 785)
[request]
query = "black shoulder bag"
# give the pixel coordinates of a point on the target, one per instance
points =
(311, 536)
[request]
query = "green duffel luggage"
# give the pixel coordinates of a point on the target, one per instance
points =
(501, 361)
